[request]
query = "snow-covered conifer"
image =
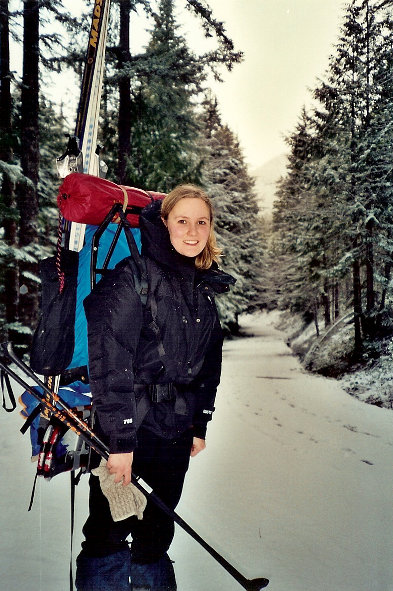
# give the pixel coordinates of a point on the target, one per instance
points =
(238, 224)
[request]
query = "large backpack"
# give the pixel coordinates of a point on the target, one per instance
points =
(59, 348)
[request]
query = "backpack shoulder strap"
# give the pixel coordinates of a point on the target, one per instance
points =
(139, 270)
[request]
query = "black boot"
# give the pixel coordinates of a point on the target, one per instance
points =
(153, 576)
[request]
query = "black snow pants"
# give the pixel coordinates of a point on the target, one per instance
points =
(162, 463)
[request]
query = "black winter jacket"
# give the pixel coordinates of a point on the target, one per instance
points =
(175, 338)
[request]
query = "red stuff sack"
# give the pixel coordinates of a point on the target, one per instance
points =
(87, 199)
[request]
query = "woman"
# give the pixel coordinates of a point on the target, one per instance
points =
(154, 370)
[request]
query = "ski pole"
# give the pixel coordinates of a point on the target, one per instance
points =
(65, 414)
(68, 417)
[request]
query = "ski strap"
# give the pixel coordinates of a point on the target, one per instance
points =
(5, 380)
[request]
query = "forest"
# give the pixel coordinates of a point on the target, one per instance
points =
(326, 257)
(331, 239)
(159, 126)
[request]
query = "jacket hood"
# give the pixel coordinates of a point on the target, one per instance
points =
(155, 239)
(156, 245)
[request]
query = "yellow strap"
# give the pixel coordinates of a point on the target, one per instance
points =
(116, 219)
(125, 204)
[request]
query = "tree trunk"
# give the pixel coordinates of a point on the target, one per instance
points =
(5, 86)
(326, 308)
(387, 273)
(356, 282)
(357, 305)
(325, 298)
(370, 293)
(28, 197)
(316, 321)
(333, 302)
(124, 122)
(7, 189)
(336, 301)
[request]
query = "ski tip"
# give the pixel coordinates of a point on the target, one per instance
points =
(257, 584)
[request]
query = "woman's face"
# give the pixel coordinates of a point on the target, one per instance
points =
(189, 224)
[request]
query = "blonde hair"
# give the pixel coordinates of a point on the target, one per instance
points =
(211, 253)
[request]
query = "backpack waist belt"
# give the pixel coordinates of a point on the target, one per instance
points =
(158, 392)
(164, 393)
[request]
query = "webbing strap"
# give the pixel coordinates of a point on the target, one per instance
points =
(117, 218)
(4, 379)
(125, 203)
(30, 419)
(169, 364)
(155, 328)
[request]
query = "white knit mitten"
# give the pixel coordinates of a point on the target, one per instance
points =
(124, 501)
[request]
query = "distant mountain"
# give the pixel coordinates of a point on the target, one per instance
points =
(266, 177)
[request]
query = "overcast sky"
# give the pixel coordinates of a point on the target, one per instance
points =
(286, 45)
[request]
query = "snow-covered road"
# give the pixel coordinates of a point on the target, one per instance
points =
(296, 485)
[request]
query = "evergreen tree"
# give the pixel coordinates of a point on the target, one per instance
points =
(163, 140)
(153, 93)
(20, 168)
(52, 134)
(8, 214)
(237, 222)
(163, 80)
(357, 88)
(295, 219)
(27, 199)
(125, 105)
(159, 114)
(332, 215)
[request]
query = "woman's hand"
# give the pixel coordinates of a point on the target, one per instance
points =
(120, 465)
(197, 446)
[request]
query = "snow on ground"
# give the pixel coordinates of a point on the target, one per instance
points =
(295, 485)
(374, 382)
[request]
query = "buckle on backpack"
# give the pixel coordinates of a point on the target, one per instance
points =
(162, 392)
